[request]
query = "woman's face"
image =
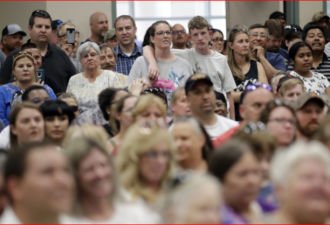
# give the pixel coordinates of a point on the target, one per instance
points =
(29, 126)
(72, 103)
(241, 44)
(303, 60)
(125, 117)
(118, 96)
(56, 127)
(220, 108)
(24, 70)
(153, 113)
(282, 124)
(217, 42)
(90, 60)
(95, 175)
(161, 39)
(242, 182)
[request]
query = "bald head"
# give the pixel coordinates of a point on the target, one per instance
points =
(98, 23)
(179, 36)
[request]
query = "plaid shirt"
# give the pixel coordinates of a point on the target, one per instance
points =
(124, 62)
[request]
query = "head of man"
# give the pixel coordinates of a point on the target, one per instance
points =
(40, 27)
(179, 103)
(125, 30)
(200, 95)
(38, 168)
(199, 33)
(61, 34)
(110, 38)
(54, 37)
(108, 57)
(309, 111)
(98, 23)
(179, 36)
(258, 36)
(276, 33)
(289, 88)
(35, 94)
(322, 19)
(279, 16)
(275, 79)
(314, 35)
(12, 37)
(34, 50)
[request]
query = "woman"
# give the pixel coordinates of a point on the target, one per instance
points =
(301, 56)
(123, 119)
(220, 104)
(71, 100)
(292, 37)
(87, 85)
(145, 168)
(302, 180)
(24, 76)
(58, 116)
(26, 124)
(237, 168)
(217, 40)
(244, 69)
(280, 119)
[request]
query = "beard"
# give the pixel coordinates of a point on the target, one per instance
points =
(273, 49)
(308, 130)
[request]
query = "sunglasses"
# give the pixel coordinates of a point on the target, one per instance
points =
(42, 12)
(22, 53)
(256, 85)
(252, 127)
(74, 108)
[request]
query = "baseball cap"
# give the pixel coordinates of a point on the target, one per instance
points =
(55, 23)
(192, 80)
(319, 15)
(304, 98)
(12, 29)
(110, 34)
(294, 27)
(285, 78)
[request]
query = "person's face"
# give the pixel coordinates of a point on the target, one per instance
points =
(125, 31)
(48, 175)
(303, 60)
(113, 42)
(63, 40)
(180, 107)
(56, 127)
(41, 30)
(258, 37)
(151, 113)
(100, 25)
(29, 126)
(217, 42)
(254, 103)
(189, 142)
(324, 22)
(282, 124)
(240, 45)
(95, 175)
(162, 39)
(220, 108)
(179, 35)
(118, 96)
(71, 102)
(12, 42)
(274, 43)
(90, 60)
(200, 38)
(276, 80)
(292, 94)
(242, 182)
(125, 117)
(154, 164)
(38, 96)
(289, 44)
(309, 118)
(107, 59)
(37, 57)
(24, 70)
(201, 98)
(315, 39)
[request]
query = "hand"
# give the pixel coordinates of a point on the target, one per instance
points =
(39, 83)
(68, 48)
(153, 73)
(258, 52)
(136, 87)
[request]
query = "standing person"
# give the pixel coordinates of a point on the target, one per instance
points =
(127, 50)
(217, 40)
(98, 23)
(87, 85)
(201, 59)
(12, 38)
(55, 63)
(110, 38)
(179, 37)
(245, 70)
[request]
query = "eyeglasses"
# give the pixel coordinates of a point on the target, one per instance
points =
(39, 100)
(22, 53)
(42, 12)
(283, 121)
(217, 40)
(74, 108)
(176, 32)
(162, 33)
(252, 127)
(256, 85)
(219, 104)
(76, 34)
(261, 35)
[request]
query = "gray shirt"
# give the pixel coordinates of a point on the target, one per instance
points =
(76, 63)
(2, 58)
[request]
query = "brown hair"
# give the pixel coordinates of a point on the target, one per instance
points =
(197, 22)
(153, 29)
(20, 57)
(176, 94)
(271, 105)
(291, 83)
(124, 17)
(275, 27)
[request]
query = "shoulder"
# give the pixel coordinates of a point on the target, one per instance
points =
(227, 121)
(78, 76)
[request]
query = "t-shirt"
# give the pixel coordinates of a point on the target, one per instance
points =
(317, 83)
(221, 126)
(276, 60)
(2, 58)
(285, 54)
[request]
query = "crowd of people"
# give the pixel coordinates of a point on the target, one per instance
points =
(182, 128)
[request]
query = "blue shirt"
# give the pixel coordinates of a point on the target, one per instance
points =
(7, 92)
(124, 62)
(285, 54)
(276, 60)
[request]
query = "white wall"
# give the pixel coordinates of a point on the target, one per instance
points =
(307, 11)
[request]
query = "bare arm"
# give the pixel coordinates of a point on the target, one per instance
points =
(149, 55)
(262, 74)
(327, 91)
(236, 96)
(231, 104)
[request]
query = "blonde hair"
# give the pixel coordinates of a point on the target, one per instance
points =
(20, 57)
(197, 22)
(137, 141)
(144, 102)
(291, 83)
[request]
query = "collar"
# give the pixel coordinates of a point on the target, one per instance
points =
(137, 50)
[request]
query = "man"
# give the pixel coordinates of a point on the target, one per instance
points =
(128, 51)
(258, 38)
(179, 37)
(314, 35)
(98, 22)
(69, 49)
(309, 112)
(41, 169)
(279, 16)
(276, 34)
(54, 37)
(289, 88)
(275, 79)
(251, 104)
(12, 38)
(201, 99)
(55, 62)
(202, 60)
(322, 19)
(110, 38)
(108, 60)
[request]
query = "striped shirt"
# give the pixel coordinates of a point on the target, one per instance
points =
(323, 67)
(125, 62)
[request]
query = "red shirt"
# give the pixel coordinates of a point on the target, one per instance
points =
(225, 137)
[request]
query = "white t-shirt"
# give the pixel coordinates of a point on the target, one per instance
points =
(5, 138)
(317, 83)
(221, 126)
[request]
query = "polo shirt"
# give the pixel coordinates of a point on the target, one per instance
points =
(56, 64)
(276, 60)
(125, 62)
(285, 54)
(87, 40)
(323, 67)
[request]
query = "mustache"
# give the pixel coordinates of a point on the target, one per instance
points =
(108, 65)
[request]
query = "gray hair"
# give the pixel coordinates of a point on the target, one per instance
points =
(67, 95)
(104, 46)
(192, 121)
(261, 26)
(59, 27)
(280, 72)
(285, 161)
(86, 47)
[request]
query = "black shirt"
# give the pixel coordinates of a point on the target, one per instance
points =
(56, 64)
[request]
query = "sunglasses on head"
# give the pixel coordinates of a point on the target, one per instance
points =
(256, 85)
(22, 53)
(252, 127)
(74, 108)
